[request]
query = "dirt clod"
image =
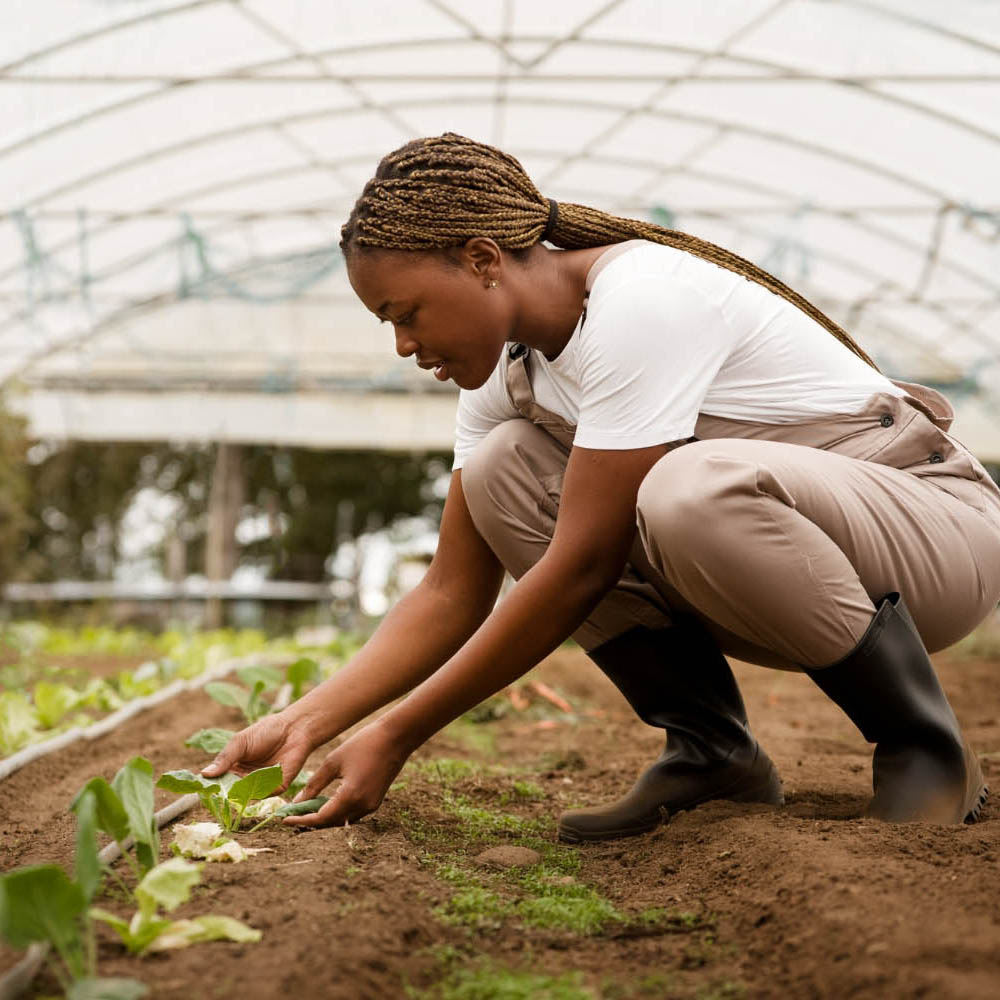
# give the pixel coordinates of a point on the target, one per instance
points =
(508, 856)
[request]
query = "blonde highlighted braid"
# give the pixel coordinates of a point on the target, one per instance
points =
(436, 193)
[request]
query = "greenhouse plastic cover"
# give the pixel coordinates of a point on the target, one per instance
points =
(175, 175)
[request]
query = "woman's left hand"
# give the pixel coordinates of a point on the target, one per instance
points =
(366, 765)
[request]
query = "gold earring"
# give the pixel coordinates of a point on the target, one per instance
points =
(493, 283)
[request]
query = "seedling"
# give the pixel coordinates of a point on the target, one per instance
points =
(168, 885)
(228, 797)
(250, 699)
(210, 740)
(125, 807)
(40, 903)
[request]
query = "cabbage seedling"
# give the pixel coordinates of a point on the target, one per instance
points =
(123, 807)
(226, 798)
(168, 885)
(210, 740)
(250, 702)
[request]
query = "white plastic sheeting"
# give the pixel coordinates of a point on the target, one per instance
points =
(174, 176)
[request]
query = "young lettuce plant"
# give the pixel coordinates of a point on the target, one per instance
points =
(40, 903)
(300, 673)
(125, 807)
(226, 798)
(168, 885)
(250, 699)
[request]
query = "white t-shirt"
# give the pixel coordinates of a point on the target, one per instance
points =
(668, 335)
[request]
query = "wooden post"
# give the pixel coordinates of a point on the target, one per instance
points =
(224, 501)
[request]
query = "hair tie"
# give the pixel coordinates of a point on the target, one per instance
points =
(553, 219)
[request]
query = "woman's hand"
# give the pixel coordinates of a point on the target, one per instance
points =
(274, 739)
(366, 764)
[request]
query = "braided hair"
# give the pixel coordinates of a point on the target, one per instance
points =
(438, 192)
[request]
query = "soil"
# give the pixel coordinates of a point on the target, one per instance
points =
(807, 901)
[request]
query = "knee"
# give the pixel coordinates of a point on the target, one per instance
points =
(492, 475)
(685, 503)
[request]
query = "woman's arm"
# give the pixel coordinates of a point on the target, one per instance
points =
(419, 634)
(594, 532)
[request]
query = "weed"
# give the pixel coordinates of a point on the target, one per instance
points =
(481, 823)
(492, 982)
(524, 790)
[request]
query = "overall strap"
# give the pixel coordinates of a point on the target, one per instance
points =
(519, 387)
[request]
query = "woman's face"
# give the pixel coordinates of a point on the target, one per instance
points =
(444, 314)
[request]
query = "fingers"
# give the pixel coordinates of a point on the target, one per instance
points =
(321, 777)
(344, 808)
(232, 752)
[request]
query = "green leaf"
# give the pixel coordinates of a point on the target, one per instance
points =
(111, 817)
(302, 672)
(87, 863)
(210, 740)
(298, 783)
(107, 989)
(228, 694)
(184, 782)
(303, 808)
(53, 701)
(270, 677)
(167, 885)
(256, 706)
(40, 903)
(256, 785)
(18, 722)
(182, 933)
(134, 785)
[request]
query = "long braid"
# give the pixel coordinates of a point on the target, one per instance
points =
(438, 192)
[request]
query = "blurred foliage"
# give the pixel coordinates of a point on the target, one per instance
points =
(310, 501)
(14, 493)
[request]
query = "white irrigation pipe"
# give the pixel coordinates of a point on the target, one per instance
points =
(109, 722)
(19, 978)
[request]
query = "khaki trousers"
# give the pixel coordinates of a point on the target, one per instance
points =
(778, 537)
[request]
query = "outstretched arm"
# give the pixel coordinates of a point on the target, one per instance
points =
(594, 532)
(418, 635)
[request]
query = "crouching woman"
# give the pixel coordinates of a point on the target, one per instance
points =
(678, 458)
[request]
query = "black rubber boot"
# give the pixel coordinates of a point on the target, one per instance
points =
(923, 769)
(677, 679)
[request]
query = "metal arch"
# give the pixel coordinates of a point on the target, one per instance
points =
(107, 29)
(137, 259)
(703, 54)
(738, 183)
(166, 298)
(630, 113)
(670, 115)
(292, 45)
(916, 22)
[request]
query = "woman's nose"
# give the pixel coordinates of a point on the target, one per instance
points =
(406, 346)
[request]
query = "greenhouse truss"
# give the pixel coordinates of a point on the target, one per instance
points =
(175, 174)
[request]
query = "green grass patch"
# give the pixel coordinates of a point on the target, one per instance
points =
(480, 823)
(493, 982)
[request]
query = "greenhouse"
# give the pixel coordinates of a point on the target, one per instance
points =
(226, 488)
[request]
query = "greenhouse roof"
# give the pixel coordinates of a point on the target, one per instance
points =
(175, 175)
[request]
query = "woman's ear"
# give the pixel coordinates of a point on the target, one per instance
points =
(483, 257)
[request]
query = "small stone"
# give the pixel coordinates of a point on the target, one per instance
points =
(508, 856)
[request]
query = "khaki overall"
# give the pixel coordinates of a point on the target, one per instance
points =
(778, 537)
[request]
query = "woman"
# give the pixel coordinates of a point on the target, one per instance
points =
(679, 458)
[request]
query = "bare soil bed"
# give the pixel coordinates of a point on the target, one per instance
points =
(725, 901)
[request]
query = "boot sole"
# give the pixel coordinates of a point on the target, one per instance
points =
(768, 792)
(972, 816)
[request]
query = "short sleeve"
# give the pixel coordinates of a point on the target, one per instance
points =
(650, 349)
(480, 410)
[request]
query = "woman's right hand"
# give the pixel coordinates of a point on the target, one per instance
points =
(274, 739)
